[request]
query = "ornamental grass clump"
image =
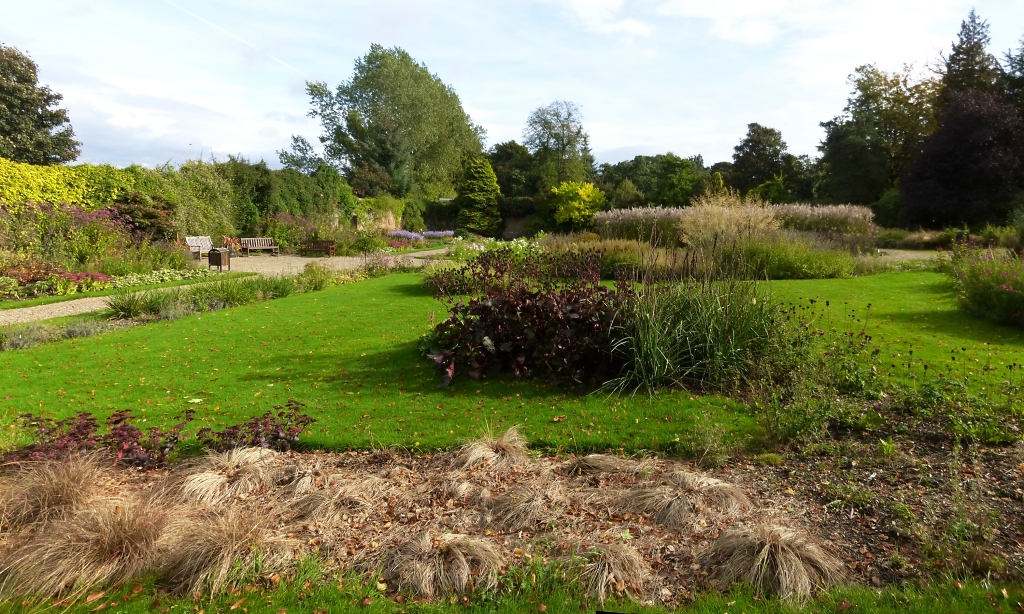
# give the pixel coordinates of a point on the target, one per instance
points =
(109, 543)
(776, 560)
(830, 219)
(989, 283)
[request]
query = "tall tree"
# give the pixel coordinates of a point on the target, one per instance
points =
(32, 128)
(1012, 78)
(758, 158)
(554, 134)
(969, 65)
(854, 165)
(393, 127)
(971, 169)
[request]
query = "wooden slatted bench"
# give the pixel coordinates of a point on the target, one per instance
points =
(259, 244)
(200, 246)
(318, 246)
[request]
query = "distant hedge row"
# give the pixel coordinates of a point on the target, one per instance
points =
(209, 198)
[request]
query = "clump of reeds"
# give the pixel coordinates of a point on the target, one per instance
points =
(330, 504)
(102, 545)
(526, 506)
(500, 453)
(219, 476)
(434, 564)
(48, 490)
(209, 553)
(613, 568)
(774, 559)
(602, 463)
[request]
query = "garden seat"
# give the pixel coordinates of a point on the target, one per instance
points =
(259, 244)
(200, 246)
(318, 246)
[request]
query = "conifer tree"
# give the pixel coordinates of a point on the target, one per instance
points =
(477, 200)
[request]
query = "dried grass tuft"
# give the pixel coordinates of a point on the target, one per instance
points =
(717, 493)
(774, 559)
(331, 504)
(212, 552)
(49, 490)
(445, 563)
(222, 475)
(107, 544)
(502, 453)
(526, 506)
(601, 463)
(666, 505)
(615, 568)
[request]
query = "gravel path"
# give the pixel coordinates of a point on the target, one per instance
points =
(265, 265)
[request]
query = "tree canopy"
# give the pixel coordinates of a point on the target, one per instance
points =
(758, 158)
(392, 128)
(32, 127)
(971, 169)
(554, 134)
(969, 65)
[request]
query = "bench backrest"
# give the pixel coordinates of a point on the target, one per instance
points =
(319, 243)
(199, 243)
(257, 242)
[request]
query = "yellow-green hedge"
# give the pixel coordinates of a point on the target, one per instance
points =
(85, 185)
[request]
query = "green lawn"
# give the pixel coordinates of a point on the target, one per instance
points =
(913, 319)
(350, 354)
(313, 591)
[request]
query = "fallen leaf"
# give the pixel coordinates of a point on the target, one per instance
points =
(94, 597)
(382, 586)
(845, 605)
(99, 607)
(542, 608)
(559, 418)
(367, 602)
(239, 603)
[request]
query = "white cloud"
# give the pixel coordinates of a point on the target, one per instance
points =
(602, 17)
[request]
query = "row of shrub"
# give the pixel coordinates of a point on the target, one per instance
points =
(174, 303)
(61, 283)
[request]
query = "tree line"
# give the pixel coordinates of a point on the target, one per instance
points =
(933, 150)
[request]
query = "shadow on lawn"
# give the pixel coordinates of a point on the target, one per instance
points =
(960, 325)
(400, 367)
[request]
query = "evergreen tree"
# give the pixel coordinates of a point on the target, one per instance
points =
(477, 200)
(32, 128)
(969, 66)
(1012, 79)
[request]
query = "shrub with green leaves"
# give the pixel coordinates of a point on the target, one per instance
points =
(85, 185)
(576, 203)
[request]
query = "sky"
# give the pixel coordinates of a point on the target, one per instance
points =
(163, 81)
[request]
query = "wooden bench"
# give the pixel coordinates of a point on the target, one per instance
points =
(318, 246)
(200, 246)
(259, 244)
